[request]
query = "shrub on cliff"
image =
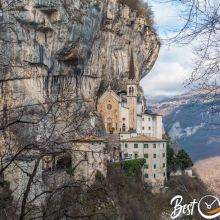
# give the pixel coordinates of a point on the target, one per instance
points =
(171, 163)
(131, 168)
(141, 7)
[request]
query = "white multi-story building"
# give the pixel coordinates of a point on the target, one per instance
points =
(153, 150)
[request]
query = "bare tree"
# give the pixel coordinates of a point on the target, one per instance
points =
(202, 29)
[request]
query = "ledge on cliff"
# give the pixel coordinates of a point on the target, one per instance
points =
(142, 8)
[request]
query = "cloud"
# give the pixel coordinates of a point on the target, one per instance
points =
(171, 70)
(174, 63)
(166, 17)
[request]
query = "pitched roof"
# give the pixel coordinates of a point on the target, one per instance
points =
(107, 94)
(143, 138)
(149, 112)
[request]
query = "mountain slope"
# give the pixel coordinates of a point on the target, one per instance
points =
(193, 123)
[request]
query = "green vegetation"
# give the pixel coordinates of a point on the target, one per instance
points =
(183, 160)
(180, 161)
(131, 168)
(119, 196)
(171, 162)
(142, 9)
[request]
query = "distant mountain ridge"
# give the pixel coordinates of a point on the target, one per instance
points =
(193, 122)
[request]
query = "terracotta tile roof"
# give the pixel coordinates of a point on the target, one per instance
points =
(143, 138)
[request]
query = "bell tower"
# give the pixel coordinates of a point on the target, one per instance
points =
(132, 96)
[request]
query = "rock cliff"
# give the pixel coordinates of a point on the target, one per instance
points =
(74, 47)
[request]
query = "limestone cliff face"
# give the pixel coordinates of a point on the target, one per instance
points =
(74, 47)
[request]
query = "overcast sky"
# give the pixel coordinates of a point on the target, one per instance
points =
(174, 63)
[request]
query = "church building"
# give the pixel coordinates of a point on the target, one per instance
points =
(139, 130)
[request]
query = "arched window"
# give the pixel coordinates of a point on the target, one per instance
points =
(131, 90)
(109, 107)
(109, 120)
(123, 127)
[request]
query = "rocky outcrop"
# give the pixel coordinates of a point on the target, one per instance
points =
(74, 47)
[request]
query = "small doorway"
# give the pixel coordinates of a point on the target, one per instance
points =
(109, 125)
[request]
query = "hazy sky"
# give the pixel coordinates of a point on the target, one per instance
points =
(174, 63)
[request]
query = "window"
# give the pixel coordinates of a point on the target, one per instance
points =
(136, 155)
(146, 166)
(155, 156)
(148, 119)
(123, 127)
(155, 166)
(142, 119)
(109, 106)
(123, 119)
(164, 165)
(135, 145)
(164, 154)
(145, 155)
(149, 128)
(164, 174)
(131, 90)
(86, 156)
(146, 175)
(126, 145)
(154, 175)
(126, 155)
(145, 145)
(142, 128)
(155, 145)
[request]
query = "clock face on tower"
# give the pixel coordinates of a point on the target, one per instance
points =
(209, 207)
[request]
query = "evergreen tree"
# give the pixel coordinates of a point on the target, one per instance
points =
(174, 162)
(183, 160)
(171, 163)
